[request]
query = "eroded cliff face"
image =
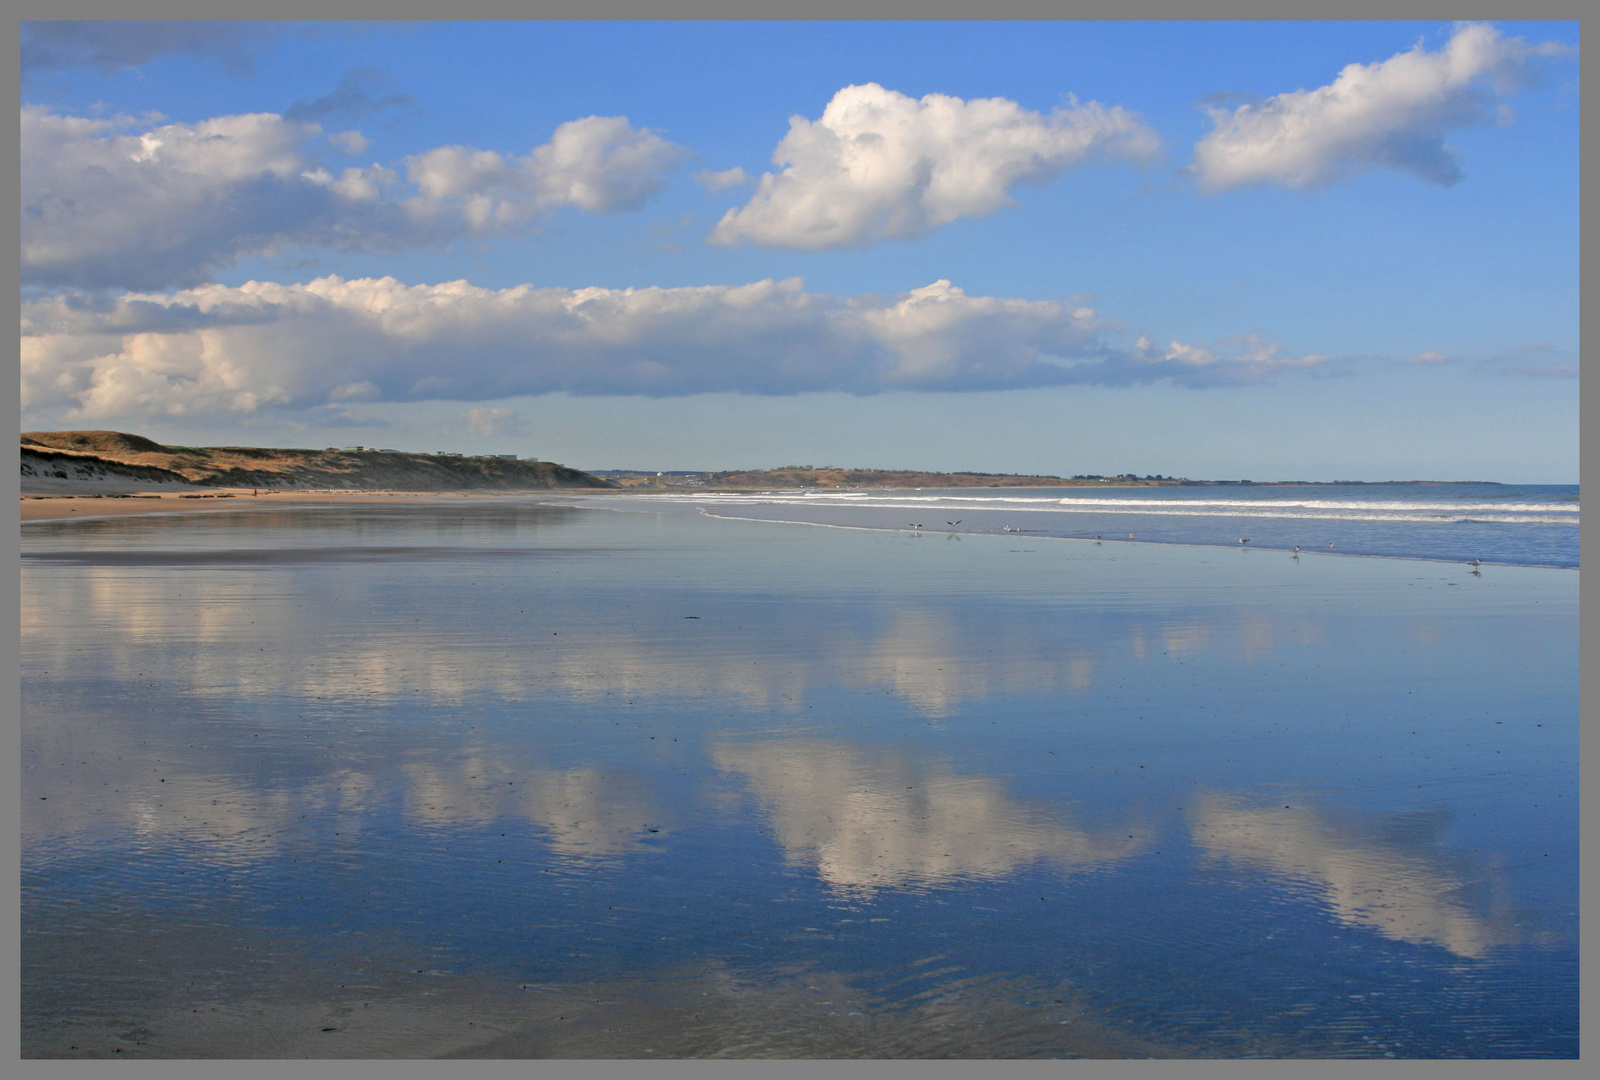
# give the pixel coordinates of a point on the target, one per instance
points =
(62, 462)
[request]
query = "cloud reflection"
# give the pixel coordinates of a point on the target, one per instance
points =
(587, 813)
(872, 818)
(238, 801)
(1400, 885)
(207, 633)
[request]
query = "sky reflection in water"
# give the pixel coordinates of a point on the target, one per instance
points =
(1031, 798)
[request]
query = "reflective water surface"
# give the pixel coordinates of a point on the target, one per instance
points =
(492, 778)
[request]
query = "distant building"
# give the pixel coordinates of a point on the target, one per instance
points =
(355, 448)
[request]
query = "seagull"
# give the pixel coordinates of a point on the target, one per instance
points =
(1297, 549)
(1246, 542)
(1130, 536)
(914, 525)
(1475, 563)
(957, 521)
(1330, 545)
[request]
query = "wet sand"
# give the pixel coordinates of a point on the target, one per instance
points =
(513, 779)
(51, 507)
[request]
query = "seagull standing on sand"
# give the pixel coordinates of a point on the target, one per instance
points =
(1475, 563)
(1297, 549)
(1246, 542)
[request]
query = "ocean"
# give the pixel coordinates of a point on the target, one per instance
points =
(1518, 525)
(637, 776)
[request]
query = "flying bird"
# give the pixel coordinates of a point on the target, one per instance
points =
(957, 521)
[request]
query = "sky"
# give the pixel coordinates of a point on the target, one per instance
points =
(1221, 250)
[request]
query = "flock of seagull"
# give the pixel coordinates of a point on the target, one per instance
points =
(1475, 563)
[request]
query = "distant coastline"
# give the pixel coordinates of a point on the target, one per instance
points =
(108, 462)
(850, 479)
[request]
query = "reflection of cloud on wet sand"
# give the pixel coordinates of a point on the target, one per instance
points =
(237, 804)
(219, 818)
(586, 812)
(231, 634)
(1401, 886)
(873, 818)
(932, 661)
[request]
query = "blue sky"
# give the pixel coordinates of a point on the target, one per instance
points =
(1297, 250)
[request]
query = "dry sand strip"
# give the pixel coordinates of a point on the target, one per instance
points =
(49, 507)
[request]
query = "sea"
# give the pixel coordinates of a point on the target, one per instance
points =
(669, 776)
(1518, 525)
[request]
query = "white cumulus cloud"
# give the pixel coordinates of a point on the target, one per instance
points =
(223, 349)
(216, 349)
(1393, 114)
(141, 204)
(879, 165)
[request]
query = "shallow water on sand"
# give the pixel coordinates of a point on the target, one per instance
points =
(491, 778)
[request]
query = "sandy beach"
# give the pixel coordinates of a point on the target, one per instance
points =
(49, 507)
(407, 774)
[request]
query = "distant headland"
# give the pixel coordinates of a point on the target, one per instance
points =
(73, 462)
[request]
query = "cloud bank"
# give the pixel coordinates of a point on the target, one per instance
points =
(225, 349)
(1392, 114)
(220, 349)
(129, 204)
(879, 165)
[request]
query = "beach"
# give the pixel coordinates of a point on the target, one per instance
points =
(574, 776)
(54, 507)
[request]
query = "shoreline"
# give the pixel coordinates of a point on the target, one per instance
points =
(1138, 543)
(54, 507)
(43, 507)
